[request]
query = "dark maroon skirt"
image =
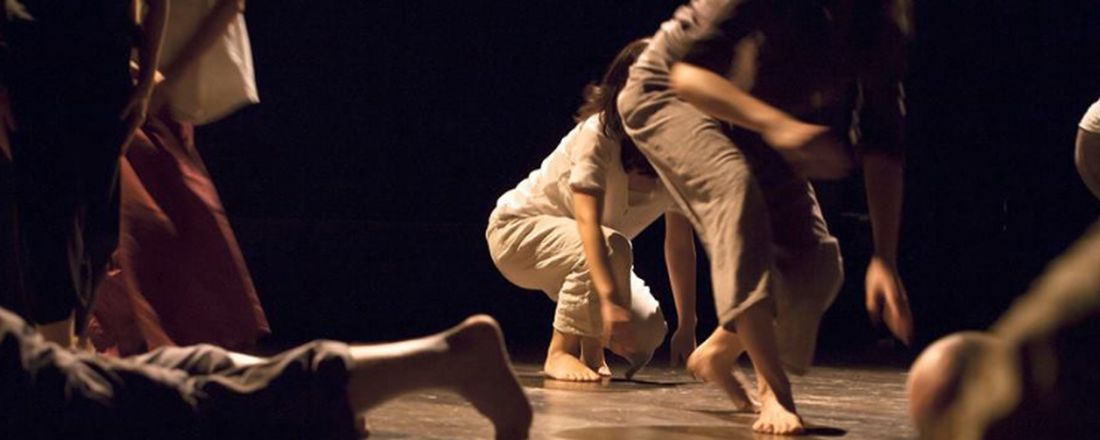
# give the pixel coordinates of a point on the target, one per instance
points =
(180, 277)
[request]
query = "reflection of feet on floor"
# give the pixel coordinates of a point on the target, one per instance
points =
(490, 385)
(563, 366)
(775, 418)
(715, 364)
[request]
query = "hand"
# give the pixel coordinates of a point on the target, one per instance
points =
(887, 301)
(812, 150)
(618, 332)
(681, 346)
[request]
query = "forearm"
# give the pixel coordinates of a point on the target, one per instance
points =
(721, 99)
(680, 259)
(152, 25)
(587, 208)
(209, 31)
(884, 177)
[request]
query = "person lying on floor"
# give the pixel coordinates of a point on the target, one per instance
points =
(313, 391)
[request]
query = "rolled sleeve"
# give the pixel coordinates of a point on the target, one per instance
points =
(591, 154)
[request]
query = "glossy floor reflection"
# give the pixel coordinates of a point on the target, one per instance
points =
(837, 403)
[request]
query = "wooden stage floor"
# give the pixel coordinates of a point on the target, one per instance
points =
(662, 404)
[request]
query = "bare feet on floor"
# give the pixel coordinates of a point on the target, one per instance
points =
(715, 362)
(564, 366)
(777, 415)
(489, 383)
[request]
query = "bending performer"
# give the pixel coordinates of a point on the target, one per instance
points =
(566, 230)
(790, 78)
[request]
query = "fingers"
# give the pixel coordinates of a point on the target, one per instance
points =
(899, 319)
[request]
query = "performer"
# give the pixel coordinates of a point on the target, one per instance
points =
(566, 230)
(182, 278)
(1087, 154)
(789, 76)
(74, 106)
(1033, 375)
(204, 392)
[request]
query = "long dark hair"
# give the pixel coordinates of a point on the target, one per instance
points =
(600, 98)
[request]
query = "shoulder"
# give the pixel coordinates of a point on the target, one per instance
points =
(592, 132)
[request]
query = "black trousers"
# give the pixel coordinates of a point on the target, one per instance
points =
(68, 85)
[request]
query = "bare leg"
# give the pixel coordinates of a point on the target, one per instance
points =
(563, 359)
(468, 359)
(777, 411)
(715, 361)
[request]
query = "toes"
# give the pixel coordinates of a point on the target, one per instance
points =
(762, 427)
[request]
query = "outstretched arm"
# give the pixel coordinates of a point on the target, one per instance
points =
(680, 260)
(808, 147)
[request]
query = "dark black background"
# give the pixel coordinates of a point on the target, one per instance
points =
(360, 186)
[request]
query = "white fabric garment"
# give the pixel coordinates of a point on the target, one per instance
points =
(222, 80)
(1091, 121)
(585, 159)
(546, 253)
(534, 241)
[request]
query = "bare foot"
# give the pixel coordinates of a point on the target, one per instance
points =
(775, 417)
(714, 362)
(593, 356)
(564, 366)
(491, 386)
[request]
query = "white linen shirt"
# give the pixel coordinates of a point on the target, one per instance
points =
(585, 160)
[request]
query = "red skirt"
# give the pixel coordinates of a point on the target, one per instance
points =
(180, 277)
